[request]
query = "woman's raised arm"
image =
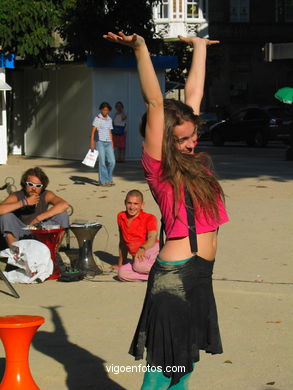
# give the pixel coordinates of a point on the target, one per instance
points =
(151, 91)
(194, 86)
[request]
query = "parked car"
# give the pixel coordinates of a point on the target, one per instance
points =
(255, 125)
(207, 120)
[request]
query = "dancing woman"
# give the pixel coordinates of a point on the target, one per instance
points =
(179, 315)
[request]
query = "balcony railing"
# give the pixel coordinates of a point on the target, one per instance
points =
(171, 29)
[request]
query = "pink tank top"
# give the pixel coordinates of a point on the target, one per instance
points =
(176, 225)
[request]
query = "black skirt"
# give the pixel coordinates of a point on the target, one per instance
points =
(179, 317)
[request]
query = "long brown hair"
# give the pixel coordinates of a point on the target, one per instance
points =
(37, 172)
(193, 172)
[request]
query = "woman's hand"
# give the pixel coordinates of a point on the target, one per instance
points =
(194, 40)
(35, 221)
(33, 199)
(133, 40)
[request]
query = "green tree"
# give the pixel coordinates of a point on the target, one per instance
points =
(26, 27)
(184, 55)
(85, 21)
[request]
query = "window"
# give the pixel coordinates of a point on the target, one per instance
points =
(237, 116)
(162, 10)
(195, 9)
(180, 9)
(192, 9)
(284, 11)
(177, 9)
(239, 10)
(288, 10)
(254, 114)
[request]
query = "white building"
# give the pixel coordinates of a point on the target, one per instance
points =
(181, 17)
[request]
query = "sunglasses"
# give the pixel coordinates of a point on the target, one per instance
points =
(30, 184)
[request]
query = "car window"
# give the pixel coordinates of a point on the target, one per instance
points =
(276, 112)
(238, 116)
(255, 113)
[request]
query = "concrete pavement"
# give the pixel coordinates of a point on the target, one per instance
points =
(89, 324)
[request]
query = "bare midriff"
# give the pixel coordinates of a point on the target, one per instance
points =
(179, 248)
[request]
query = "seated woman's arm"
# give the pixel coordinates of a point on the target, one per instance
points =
(10, 204)
(58, 206)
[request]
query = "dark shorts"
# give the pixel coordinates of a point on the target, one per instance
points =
(179, 316)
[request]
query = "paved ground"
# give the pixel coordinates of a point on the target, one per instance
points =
(89, 324)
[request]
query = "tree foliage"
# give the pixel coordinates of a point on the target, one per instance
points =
(184, 54)
(85, 21)
(27, 26)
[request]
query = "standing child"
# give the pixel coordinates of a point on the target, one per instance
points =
(119, 131)
(101, 139)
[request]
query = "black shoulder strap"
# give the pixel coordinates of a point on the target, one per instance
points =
(162, 229)
(191, 221)
(161, 238)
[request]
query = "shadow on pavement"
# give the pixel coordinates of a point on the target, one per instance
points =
(84, 370)
(107, 257)
(83, 180)
(232, 162)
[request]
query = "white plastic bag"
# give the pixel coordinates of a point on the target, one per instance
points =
(33, 259)
(91, 158)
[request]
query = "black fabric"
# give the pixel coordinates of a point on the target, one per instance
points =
(28, 213)
(161, 238)
(118, 130)
(179, 316)
(191, 221)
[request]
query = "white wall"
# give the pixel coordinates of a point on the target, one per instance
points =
(15, 109)
(3, 121)
(112, 85)
(54, 108)
(74, 112)
(58, 108)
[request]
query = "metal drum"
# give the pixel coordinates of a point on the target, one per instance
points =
(85, 234)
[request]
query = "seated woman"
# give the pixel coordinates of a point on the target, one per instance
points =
(30, 206)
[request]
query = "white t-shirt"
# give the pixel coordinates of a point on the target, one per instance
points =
(118, 121)
(104, 126)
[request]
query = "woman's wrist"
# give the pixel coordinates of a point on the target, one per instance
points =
(39, 218)
(23, 202)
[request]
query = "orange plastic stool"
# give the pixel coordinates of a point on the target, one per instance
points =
(16, 333)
